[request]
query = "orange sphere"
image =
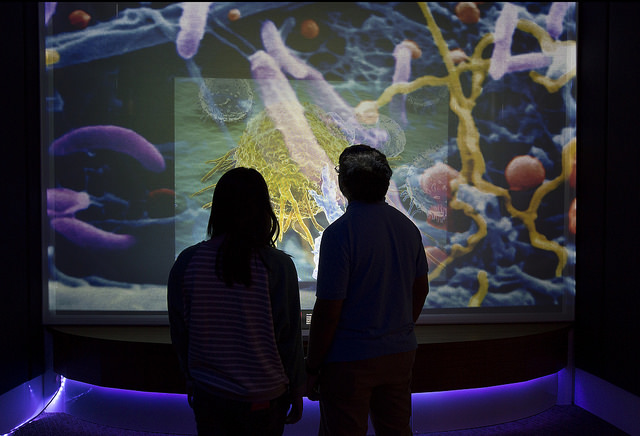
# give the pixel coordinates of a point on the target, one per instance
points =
(468, 12)
(572, 217)
(435, 181)
(234, 14)
(524, 172)
(79, 19)
(309, 29)
(416, 52)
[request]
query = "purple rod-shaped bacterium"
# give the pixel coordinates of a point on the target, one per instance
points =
(192, 26)
(403, 53)
(505, 26)
(49, 10)
(323, 94)
(87, 236)
(112, 138)
(64, 202)
(528, 61)
(287, 114)
(555, 18)
(502, 61)
(276, 48)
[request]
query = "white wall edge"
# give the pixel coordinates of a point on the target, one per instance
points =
(607, 401)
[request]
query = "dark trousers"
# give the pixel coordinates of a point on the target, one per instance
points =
(217, 416)
(381, 387)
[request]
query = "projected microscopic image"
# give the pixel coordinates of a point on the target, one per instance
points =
(147, 104)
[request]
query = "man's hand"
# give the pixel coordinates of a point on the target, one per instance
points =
(190, 390)
(312, 387)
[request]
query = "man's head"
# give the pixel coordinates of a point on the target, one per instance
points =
(363, 174)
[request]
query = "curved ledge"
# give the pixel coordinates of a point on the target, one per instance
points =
(468, 356)
(450, 357)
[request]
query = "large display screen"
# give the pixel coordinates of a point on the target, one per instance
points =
(145, 105)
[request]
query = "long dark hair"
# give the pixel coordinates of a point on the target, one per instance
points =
(241, 211)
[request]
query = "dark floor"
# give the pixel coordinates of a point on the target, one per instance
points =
(556, 421)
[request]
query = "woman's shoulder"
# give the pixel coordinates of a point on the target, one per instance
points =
(276, 253)
(192, 248)
(188, 251)
(274, 256)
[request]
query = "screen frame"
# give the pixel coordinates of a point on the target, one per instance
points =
(560, 312)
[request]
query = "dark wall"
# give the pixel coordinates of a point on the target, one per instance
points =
(608, 298)
(21, 333)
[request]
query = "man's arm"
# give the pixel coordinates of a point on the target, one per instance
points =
(324, 322)
(420, 291)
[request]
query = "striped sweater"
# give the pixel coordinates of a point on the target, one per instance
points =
(227, 338)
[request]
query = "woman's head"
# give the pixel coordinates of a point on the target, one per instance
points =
(363, 174)
(241, 208)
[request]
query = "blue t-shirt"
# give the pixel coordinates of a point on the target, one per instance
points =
(370, 257)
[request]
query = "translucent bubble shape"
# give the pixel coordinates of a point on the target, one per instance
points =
(227, 100)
